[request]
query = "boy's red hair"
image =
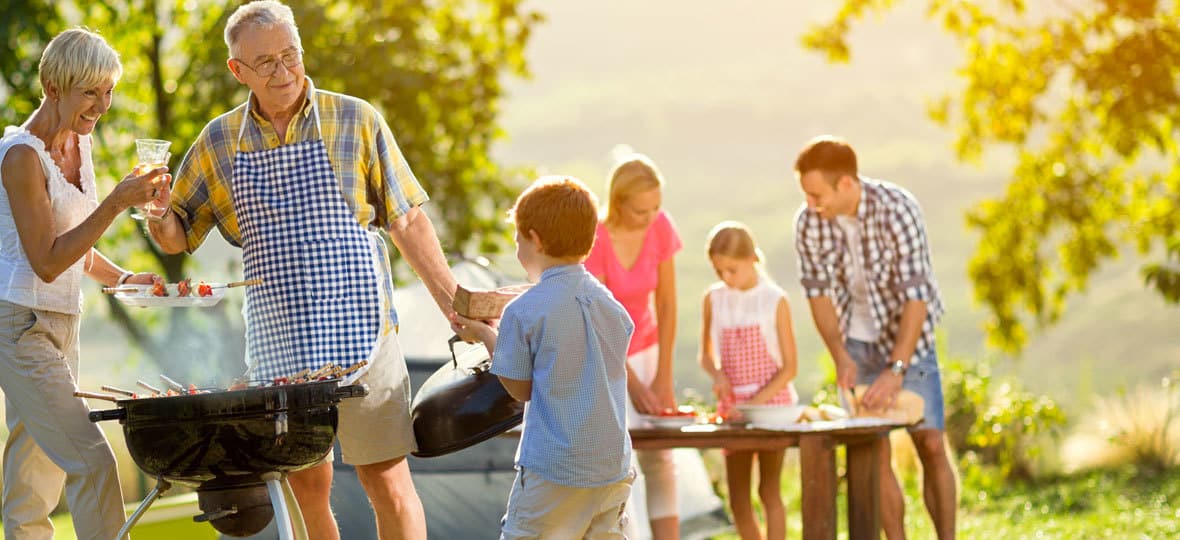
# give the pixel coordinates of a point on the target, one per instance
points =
(563, 213)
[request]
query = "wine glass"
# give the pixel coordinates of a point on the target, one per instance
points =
(152, 153)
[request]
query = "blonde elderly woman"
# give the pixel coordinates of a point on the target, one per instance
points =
(302, 179)
(50, 219)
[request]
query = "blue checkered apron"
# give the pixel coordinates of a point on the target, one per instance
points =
(318, 302)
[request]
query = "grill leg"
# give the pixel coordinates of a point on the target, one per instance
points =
(162, 485)
(283, 499)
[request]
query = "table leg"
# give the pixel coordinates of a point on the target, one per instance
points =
(864, 489)
(817, 458)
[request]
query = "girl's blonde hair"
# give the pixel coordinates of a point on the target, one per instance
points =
(635, 173)
(733, 239)
(78, 58)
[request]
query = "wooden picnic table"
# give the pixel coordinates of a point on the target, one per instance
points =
(863, 439)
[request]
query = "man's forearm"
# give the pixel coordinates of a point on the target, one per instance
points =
(913, 314)
(418, 243)
(168, 234)
(828, 325)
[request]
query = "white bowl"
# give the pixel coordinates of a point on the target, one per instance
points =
(771, 414)
(668, 422)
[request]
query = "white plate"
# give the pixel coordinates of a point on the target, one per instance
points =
(144, 297)
(670, 422)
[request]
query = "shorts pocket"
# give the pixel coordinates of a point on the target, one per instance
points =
(16, 321)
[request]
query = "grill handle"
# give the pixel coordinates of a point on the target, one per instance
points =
(350, 391)
(109, 414)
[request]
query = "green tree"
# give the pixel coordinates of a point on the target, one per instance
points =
(1085, 93)
(434, 69)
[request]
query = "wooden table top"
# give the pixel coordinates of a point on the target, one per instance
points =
(738, 436)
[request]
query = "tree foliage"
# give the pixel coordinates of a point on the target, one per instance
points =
(1085, 92)
(434, 69)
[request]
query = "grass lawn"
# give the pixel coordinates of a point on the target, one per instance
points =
(1099, 504)
(169, 518)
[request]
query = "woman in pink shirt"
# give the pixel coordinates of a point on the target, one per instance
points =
(633, 255)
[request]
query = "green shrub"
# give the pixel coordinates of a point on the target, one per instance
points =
(994, 423)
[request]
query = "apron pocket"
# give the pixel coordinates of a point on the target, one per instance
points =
(330, 274)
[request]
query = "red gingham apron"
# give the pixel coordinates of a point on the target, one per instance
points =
(747, 362)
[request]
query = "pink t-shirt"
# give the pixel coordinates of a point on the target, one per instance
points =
(634, 287)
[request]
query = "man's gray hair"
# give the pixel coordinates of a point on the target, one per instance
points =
(262, 14)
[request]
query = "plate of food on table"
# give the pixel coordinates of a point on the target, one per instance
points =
(676, 418)
(183, 293)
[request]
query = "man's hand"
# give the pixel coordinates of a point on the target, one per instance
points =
(883, 392)
(845, 372)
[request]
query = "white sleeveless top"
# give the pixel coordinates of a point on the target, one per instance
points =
(737, 308)
(18, 283)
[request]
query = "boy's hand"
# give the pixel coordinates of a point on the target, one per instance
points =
(472, 330)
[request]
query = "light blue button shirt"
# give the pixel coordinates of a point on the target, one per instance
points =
(569, 336)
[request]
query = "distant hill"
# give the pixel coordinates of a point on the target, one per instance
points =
(722, 95)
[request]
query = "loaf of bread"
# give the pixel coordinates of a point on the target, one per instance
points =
(481, 304)
(907, 408)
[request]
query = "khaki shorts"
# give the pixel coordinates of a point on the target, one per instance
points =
(540, 509)
(377, 427)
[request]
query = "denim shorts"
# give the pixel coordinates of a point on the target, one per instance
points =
(921, 378)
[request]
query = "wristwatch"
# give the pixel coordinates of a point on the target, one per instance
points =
(898, 367)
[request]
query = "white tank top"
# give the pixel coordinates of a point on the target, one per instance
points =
(737, 308)
(18, 283)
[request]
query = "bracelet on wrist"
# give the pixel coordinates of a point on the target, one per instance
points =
(123, 279)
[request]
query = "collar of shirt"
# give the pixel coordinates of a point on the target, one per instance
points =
(304, 111)
(559, 270)
(868, 198)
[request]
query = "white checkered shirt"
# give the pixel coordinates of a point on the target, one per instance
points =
(896, 260)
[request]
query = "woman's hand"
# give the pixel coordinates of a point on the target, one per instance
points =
(144, 278)
(644, 400)
(139, 189)
(665, 390)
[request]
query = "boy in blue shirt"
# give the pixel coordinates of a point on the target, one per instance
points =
(561, 348)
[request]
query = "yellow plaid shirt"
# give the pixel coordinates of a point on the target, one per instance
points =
(374, 177)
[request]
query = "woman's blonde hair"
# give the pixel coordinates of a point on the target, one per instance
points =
(733, 239)
(78, 58)
(263, 14)
(635, 173)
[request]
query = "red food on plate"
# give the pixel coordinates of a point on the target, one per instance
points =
(682, 411)
(184, 287)
(158, 289)
(204, 289)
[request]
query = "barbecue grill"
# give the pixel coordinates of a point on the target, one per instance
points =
(235, 447)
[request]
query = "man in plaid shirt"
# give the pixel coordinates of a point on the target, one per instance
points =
(865, 265)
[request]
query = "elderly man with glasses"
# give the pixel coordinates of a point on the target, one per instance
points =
(301, 179)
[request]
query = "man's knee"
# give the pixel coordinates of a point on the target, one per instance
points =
(930, 445)
(388, 481)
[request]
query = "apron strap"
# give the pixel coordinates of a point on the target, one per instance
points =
(315, 111)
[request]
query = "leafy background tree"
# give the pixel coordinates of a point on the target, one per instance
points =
(1085, 94)
(433, 68)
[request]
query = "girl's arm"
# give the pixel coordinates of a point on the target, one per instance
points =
(721, 385)
(786, 344)
(664, 383)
